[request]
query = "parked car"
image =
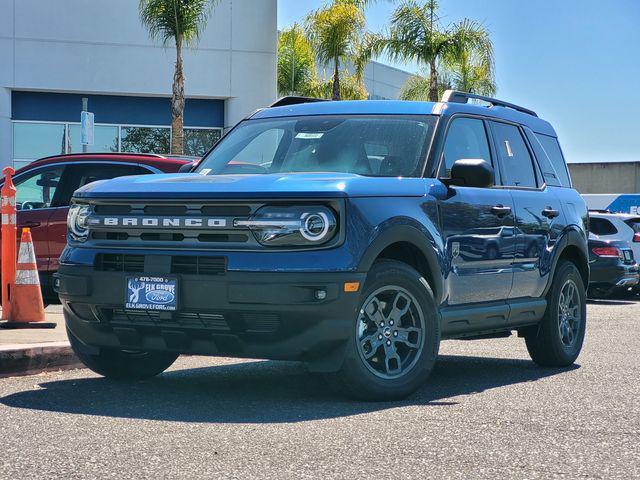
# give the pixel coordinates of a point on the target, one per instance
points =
(332, 233)
(44, 190)
(613, 268)
(616, 226)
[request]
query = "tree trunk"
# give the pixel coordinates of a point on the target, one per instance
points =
(336, 80)
(177, 104)
(433, 83)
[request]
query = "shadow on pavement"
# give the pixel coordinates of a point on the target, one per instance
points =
(261, 392)
(596, 301)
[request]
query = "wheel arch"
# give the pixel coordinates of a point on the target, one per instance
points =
(572, 247)
(411, 246)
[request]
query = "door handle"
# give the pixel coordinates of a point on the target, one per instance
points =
(550, 212)
(500, 210)
(29, 224)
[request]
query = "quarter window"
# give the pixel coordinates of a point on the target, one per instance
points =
(515, 159)
(466, 139)
(552, 147)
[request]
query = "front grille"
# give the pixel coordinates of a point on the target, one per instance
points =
(119, 262)
(245, 322)
(209, 321)
(160, 225)
(184, 264)
(198, 265)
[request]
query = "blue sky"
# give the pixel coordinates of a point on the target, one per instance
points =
(576, 62)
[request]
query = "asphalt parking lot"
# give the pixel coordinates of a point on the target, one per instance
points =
(487, 412)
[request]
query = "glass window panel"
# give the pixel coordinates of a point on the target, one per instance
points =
(517, 167)
(36, 140)
(197, 141)
(37, 190)
(466, 139)
(105, 139)
(145, 139)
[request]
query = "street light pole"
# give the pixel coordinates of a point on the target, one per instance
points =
(85, 108)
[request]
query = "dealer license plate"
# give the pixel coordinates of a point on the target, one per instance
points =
(152, 293)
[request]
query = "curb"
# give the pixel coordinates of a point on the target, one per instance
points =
(29, 359)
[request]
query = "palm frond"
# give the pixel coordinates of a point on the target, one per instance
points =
(172, 19)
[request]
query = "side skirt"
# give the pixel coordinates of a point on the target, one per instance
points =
(490, 320)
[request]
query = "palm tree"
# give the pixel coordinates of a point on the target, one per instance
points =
(416, 35)
(296, 62)
(335, 30)
(181, 21)
(471, 73)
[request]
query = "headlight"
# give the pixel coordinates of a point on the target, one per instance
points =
(77, 221)
(291, 226)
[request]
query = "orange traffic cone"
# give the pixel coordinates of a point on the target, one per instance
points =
(27, 309)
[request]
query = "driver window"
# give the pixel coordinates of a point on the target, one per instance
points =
(38, 190)
(466, 139)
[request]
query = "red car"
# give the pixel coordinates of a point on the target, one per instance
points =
(44, 189)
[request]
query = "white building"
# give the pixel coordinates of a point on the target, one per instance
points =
(54, 53)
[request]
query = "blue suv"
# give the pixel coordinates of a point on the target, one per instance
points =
(353, 236)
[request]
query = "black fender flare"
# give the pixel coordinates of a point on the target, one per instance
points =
(419, 239)
(571, 237)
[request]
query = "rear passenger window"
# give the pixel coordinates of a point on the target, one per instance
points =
(517, 165)
(552, 147)
(601, 226)
(549, 173)
(466, 139)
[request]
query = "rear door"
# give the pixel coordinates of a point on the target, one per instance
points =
(78, 175)
(538, 212)
(477, 222)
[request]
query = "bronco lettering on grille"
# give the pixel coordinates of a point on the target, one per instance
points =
(142, 222)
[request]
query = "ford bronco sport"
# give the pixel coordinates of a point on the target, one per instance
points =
(341, 234)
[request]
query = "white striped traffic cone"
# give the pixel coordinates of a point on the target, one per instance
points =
(27, 308)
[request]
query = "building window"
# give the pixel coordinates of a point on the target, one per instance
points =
(34, 140)
(197, 141)
(145, 140)
(37, 140)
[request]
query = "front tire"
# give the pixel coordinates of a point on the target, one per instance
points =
(558, 340)
(396, 335)
(121, 364)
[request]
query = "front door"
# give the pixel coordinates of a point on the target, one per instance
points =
(35, 201)
(477, 223)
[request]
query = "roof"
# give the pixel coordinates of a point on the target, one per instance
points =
(400, 107)
(159, 161)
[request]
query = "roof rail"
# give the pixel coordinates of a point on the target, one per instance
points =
(463, 97)
(84, 154)
(294, 100)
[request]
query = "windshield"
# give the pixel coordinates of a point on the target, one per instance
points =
(386, 146)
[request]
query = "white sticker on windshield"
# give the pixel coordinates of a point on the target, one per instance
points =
(205, 171)
(309, 136)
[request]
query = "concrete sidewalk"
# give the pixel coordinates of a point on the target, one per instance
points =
(29, 351)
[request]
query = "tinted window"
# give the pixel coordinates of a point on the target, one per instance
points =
(37, 190)
(517, 166)
(81, 174)
(634, 223)
(548, 171)
(552, 147)
(365, 145)
(600, 226)
(466, 138)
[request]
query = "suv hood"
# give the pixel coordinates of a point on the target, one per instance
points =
(311, 185)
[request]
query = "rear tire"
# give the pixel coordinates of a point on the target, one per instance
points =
(558, 340)
(396, 335)
(123, 365)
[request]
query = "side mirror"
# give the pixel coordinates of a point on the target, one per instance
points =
(186, 168)
(469, 172)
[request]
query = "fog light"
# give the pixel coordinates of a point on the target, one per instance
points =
(320, 294)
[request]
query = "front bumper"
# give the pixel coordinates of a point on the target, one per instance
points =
(274, 315)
